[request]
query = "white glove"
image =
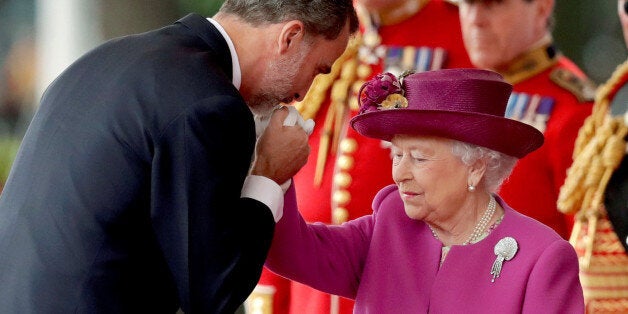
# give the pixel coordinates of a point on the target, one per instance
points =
(294, 118)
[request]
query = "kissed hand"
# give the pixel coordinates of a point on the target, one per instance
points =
(281, 150)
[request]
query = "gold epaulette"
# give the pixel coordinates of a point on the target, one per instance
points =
(583, 88)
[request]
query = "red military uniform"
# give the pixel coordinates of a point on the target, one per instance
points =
(427, 40)
(551, 93)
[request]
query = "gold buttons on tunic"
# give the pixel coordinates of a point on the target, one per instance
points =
(348, 146)
(342, 180)
(340, 215)
(345, 162)
(261, 299)
(341, 197)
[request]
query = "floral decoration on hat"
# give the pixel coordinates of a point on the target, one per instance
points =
(384, 91)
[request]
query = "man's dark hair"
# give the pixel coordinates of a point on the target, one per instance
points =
(320, 17)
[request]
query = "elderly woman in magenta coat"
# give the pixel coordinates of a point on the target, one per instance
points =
(439, 240)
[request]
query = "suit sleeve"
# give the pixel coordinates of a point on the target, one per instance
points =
(214, 241)
(554, 286)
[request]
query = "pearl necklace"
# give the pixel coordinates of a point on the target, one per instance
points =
(478, 230)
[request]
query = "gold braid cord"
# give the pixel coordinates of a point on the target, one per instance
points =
(340, 86)
(317, 93)
(598, 151)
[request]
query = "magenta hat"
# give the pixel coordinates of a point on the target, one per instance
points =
(467, 105)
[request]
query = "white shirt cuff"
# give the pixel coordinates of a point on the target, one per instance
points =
(266, 191)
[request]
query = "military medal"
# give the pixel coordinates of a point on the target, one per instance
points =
(399, 59)
(505, 250)
(534, 110)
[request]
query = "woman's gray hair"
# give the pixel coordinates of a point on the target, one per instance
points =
(498, 165)
(320, 17)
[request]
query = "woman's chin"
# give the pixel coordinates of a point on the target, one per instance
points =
(413, 213)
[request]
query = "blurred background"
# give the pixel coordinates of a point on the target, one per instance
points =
(39, 38)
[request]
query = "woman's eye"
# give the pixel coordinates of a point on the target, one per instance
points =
(418, 157)
(396, 158)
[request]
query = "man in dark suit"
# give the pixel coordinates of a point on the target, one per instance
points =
(129, 192)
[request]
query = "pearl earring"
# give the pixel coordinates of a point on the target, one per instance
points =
(471, 188)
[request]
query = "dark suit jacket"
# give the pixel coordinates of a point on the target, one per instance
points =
(616, 201)
(125, 195)
(616, 196)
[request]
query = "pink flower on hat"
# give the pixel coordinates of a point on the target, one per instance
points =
(377, 90)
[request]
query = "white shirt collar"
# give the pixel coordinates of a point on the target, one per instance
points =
(235, 63)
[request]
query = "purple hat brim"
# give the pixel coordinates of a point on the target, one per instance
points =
(504, 135)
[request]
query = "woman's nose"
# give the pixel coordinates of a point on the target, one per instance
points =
(401, 170)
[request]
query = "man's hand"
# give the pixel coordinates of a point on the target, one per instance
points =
(281, 150)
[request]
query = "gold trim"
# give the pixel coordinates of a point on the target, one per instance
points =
(530, 64)
(335, 86)
(582, 88)
(317, 93)
(598, 151)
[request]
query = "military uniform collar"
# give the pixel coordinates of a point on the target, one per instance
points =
(399, 13)
(532, 62)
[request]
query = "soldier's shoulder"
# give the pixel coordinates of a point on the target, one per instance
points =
(568, 77)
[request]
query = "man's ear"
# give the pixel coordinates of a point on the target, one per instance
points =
(291, 33)
(545, 9)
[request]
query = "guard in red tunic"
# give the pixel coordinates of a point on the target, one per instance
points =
(345, 170)
(513, 38)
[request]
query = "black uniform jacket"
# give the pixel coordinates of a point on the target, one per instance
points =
(616, 196)
(125, 194)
